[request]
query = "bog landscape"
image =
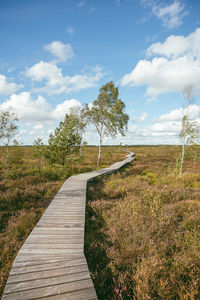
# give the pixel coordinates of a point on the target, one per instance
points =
(142, 226)
(100, 150)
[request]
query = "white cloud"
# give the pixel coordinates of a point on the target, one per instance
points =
(176, 46)
(56, 83)
(169, 124)
(172, 71)
(63, 52)
(171, 15)
(70, 30)
(143, 116)
(8, 88)
(38, 126)
(61, 109)
(166, 127)
(177, 114)
(26, 108)
(37, 110)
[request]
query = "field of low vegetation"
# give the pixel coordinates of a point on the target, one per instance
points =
(143, 227)
(28, 182)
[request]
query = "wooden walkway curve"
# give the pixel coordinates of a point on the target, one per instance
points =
(51, 263)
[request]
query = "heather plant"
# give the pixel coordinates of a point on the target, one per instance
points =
(149, 236)
(26, 191)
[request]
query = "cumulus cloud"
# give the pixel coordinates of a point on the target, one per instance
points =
(61, 109)
(177, 114)
(168, 128)
(57, 83)
(172, 70)
(8, 88)
(63, 52)
(176, 46)
(37, 110)
(169, 124)
(26, 108)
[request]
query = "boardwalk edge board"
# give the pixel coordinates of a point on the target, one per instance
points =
(51, 263)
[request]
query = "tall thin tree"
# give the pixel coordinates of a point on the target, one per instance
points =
(107, 114)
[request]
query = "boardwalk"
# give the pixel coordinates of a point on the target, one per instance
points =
(51, 264)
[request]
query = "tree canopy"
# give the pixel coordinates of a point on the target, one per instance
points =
(66, 140)
(8, 126)
(107, 114)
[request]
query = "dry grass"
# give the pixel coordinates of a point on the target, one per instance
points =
(25, 193)
(143, 228)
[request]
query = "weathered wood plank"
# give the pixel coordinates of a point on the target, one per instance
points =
(65, 225)
(51, 263)
(31, 257)
(51, 239)
(51, 290)
(47, 273)
(48, 266)
(51, 246)
(57, 231)
(45, 282)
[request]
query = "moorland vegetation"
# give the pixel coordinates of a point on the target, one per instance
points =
(143, 227)
(28, 183)
(142, 224)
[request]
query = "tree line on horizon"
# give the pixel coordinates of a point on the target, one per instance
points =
(107, 115)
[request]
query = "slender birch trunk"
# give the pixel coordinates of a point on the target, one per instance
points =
(99, 155)
(182, 159)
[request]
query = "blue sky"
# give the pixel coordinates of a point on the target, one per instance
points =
(57, 54)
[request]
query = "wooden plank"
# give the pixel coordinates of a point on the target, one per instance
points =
(45, 282)
(31, 257)
(66, 225)
(63, 217)
(57, 231)
(48, 266)
(51, 251)
(40, 239)
(51, 246)
(47, 273)
(61, 221)
(51, 263)
(51, 290)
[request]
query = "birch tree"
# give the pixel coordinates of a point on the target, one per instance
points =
(80, 114)
(38, 152)
(8, 128)
(190, 132)
(189, 135)
(107, 114)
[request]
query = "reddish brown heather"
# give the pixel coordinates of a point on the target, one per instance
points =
(25, 193)
(143, 228)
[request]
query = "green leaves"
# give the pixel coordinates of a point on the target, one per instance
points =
(8, 125)
(66, 140)
(107, 113)
(190, 132)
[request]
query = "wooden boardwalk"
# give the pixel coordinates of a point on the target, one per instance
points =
(51, 264)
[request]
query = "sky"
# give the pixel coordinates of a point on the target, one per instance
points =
(56, 54)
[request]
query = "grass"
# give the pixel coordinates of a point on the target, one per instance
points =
(143, 228)
(25, 193)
